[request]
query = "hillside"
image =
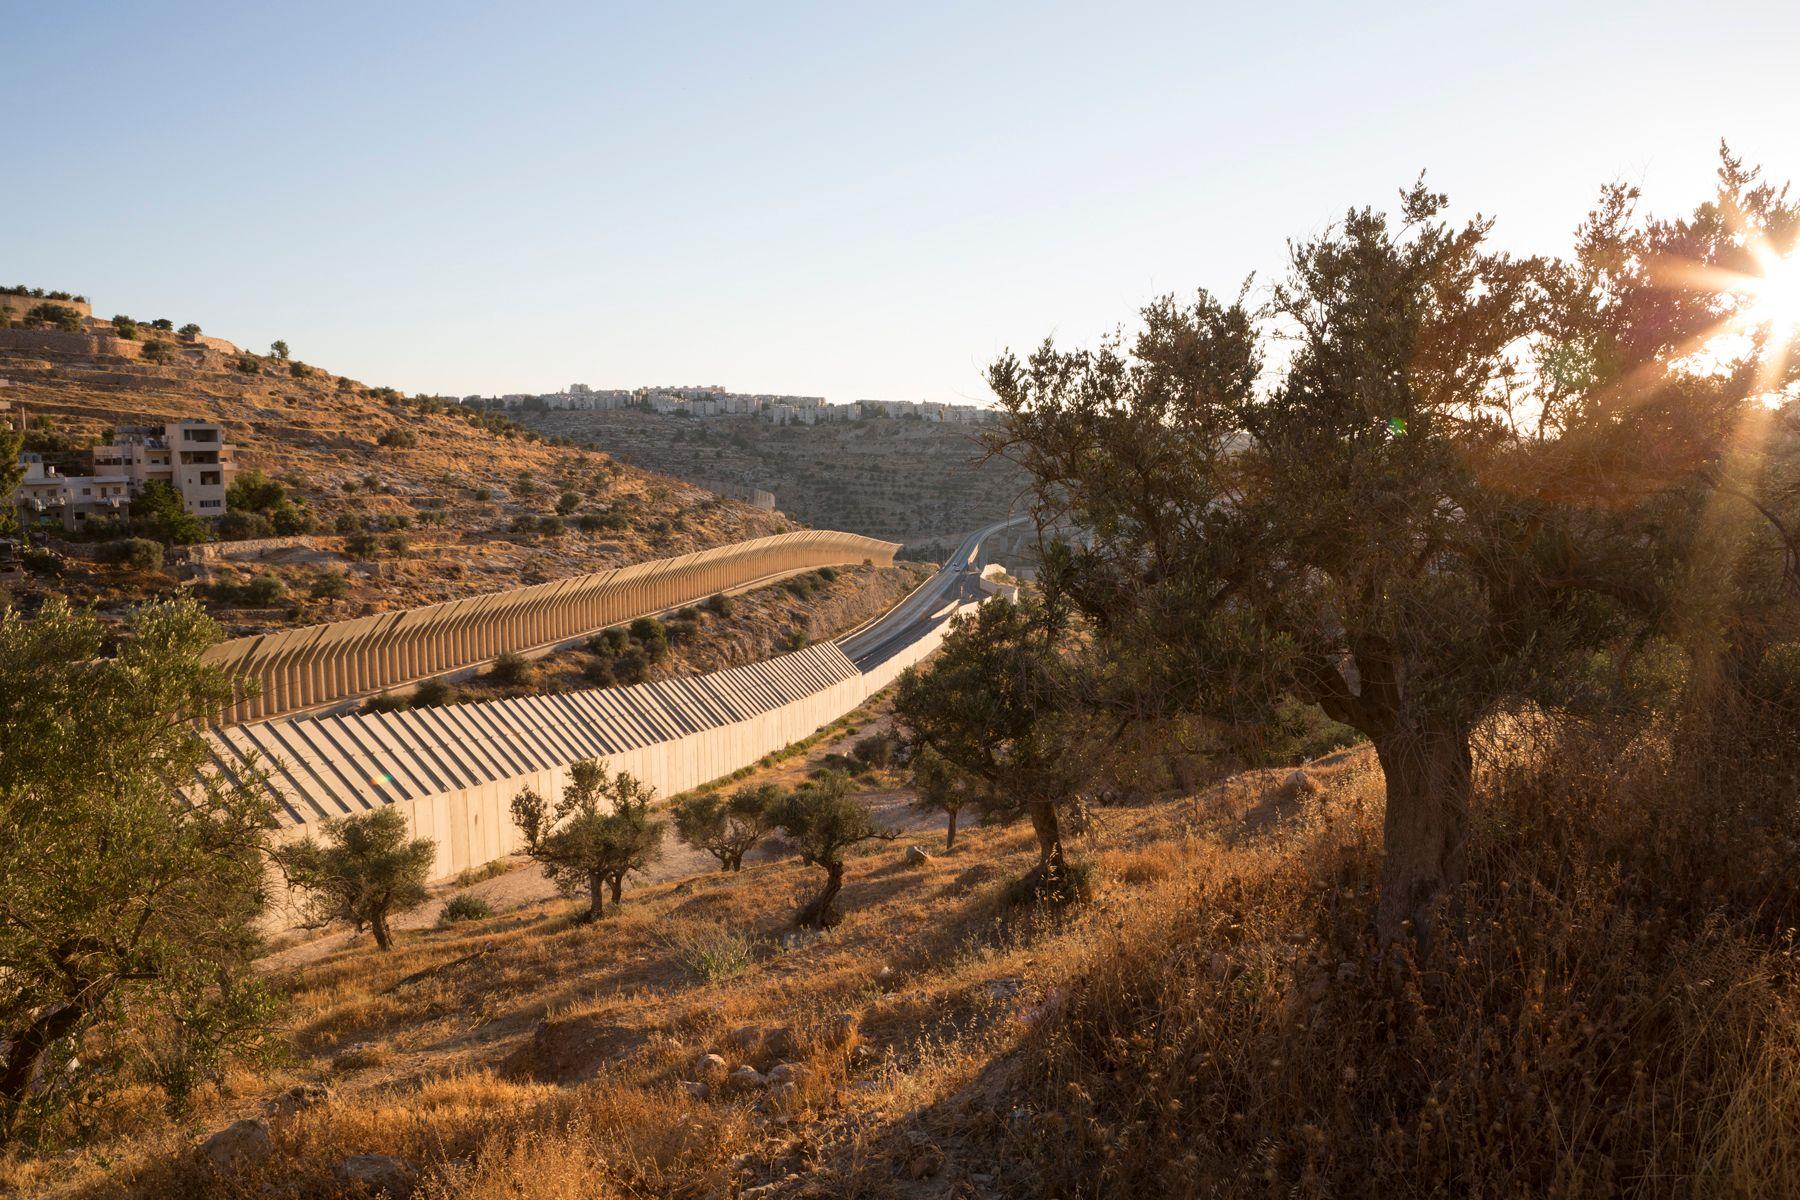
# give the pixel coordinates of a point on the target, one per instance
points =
(1215, 1022)
(902, 480)
(459, 506)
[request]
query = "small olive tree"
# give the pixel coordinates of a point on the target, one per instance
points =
(940, 786)
(597, 834)
(366, 872)
(1002, 704)
(727, 827)
(823, 819)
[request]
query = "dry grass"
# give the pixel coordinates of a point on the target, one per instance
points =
(1217, 1022)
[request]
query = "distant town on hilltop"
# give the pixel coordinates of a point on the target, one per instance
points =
(715, 401)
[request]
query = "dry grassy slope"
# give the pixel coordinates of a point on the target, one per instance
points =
(320, 439)
(530, 1057)
(903, 480)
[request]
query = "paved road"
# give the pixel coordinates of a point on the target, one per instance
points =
(958, 582)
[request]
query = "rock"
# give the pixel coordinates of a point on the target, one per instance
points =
(1052, 1004)
(1005, 988)
(842, 1029)
(781, 1097)
(924, 1162)
(1299, 783)
(382, 1174)
(240, 1146)
(786, 1072)
(885, 976)
(575, 1049)
(299, 1098)
(916, 856)
(745, 1078)
(711, 1068)
(697, 1089)
(744, 1039)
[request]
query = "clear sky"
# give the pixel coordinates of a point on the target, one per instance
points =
(850, 200)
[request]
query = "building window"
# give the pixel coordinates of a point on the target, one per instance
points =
(211, 503)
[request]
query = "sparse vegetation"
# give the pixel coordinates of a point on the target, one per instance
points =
(367, 871)
(599, 832)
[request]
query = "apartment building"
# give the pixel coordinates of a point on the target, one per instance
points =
(47, 497)
(192, 457)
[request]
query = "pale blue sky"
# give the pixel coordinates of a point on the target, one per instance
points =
(840, 199)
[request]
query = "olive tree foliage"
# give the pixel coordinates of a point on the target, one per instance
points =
(12, 444)
(597, 834)
(119, 895)
(1002, 704)
(1468, 474)
(940, 786)
(823, 819)
(366, 872)
(727, 826)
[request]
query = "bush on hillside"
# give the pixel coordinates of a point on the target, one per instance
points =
(464, 907)
(141, 554)
(512, 670)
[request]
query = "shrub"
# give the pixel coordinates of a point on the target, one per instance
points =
(247, 364)
(567, 503)
(330, 584)
(720, 605)
(590, 523)
(630, 667)
(712, 952)
(398, 438)
(878, 750)
(680, 632)
(263, 591)
(190, 330)
(465, 907)
(164, 324)
(143, 554)
(512, 670)
(386, 702)
(648, 629)
(598, 671)
(299, 370)
(361, 544)
(126, 328)
(550, 526)
(158, 351)
(60, 316)
(483, 495)
(236, 526)
(289, 520)
(396, 544)
(827, 573)
(348, 523)
(252, 491)
(279, 349)
(433, 693)
(608, 642)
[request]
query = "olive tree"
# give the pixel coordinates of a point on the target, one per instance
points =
(131, 874)
(366, 872)
(1001, 705)
(727, 827)
(1468, 473)
(824, 818)
(597, 834)
(940, 786)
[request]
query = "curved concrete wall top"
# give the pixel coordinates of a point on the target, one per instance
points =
(303, 668)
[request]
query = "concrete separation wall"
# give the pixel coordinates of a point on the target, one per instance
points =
(453, 771)
(318, 665)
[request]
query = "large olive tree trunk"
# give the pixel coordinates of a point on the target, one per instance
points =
(1429, 773)
(596, 896)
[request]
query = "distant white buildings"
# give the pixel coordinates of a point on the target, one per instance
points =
(714, 401)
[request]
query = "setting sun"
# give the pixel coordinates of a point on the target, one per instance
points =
(1774, 293)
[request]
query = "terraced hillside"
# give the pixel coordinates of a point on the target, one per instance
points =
(444, 504)
(902, 480)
